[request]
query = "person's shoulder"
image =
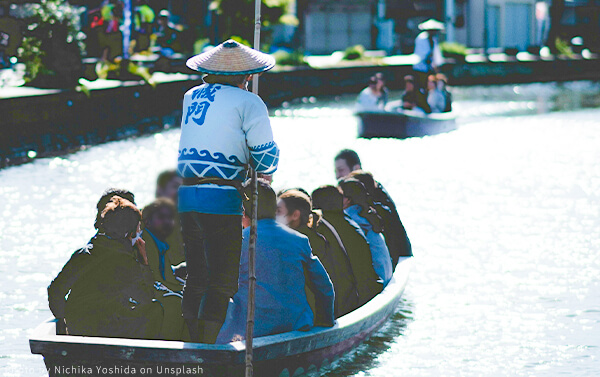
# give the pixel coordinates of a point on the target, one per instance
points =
(195, 88)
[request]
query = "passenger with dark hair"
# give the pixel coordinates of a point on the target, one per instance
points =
(346, 161)
(106, 197)
(167, 186)
(158, 220)
(358, 206)
(409, 96)
(335, 225)
(294, 209)
(110, 293)
(283, 259)
(394, 233)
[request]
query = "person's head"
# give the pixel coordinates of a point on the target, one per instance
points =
(380, 80)
(373, 82)
(163, 17)
(294, 209)
(366, 179)
(167, 185)
(328, 198)
(159, 217)
(346, 161)
(354, 192)
(409, 83)
(120, 219)
(267, 200)
(442, 81)
(240, 81)
(106, 197)
(431, 82)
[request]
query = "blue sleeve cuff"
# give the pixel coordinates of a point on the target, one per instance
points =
(265, 158)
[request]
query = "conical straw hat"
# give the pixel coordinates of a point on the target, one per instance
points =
(431, 24)
(231, 58)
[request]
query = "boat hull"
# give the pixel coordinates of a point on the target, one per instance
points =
(288, 354)
(403, 125)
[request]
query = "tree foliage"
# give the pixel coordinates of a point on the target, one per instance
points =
(237, 16)
(53, 43)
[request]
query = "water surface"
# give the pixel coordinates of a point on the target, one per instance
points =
(503, 215)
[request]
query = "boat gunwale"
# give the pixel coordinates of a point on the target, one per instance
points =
(266, 348)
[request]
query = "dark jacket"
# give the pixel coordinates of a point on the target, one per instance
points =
(359, 253)
(337, 264)
(110, 293)
(394, 232)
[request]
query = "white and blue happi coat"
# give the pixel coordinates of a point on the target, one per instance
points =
(223, 129)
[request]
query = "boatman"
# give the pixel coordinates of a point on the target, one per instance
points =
(224, 129)
(427, 48)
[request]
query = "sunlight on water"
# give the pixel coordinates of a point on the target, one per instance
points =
(503, 215)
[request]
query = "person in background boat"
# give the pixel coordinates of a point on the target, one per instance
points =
(442, 84)
(409, 96)
(385, 92)
(167, 36)
(435, 97)
(158, 220)
(428, 51)
(167, 186)
(347, 161)
(358, 207)
(224, 129)
(110, 293)
(372, 98)
(294, 209)
(394, 232)
(284, 265)
(343, 232)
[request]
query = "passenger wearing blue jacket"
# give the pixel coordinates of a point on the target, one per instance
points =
(283, 256)
(358, 208)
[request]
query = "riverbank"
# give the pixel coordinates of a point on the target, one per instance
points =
(45, 122)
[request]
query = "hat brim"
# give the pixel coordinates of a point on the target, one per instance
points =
(231, 58)
(432, 25)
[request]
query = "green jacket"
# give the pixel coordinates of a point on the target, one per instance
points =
(358, 251)
(110, 293)
(338, 267)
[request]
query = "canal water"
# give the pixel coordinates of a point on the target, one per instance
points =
(503, 215)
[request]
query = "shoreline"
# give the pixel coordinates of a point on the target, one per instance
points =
(55, 122)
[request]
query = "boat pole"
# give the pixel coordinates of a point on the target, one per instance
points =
(253, 224)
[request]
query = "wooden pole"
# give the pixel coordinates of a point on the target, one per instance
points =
(253, 224)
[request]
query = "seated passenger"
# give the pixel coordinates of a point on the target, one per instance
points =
(158, 219)
(372, 98)
(435, 97)
(409, 96)
(335, 225)
(167, 186)
(294, 209)
(394, 233)
(357, 206)
(110, 293)
(283, 257)
(348, 161)
(442, 84)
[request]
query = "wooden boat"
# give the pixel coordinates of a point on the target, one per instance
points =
(403, 124)
(288, 354)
